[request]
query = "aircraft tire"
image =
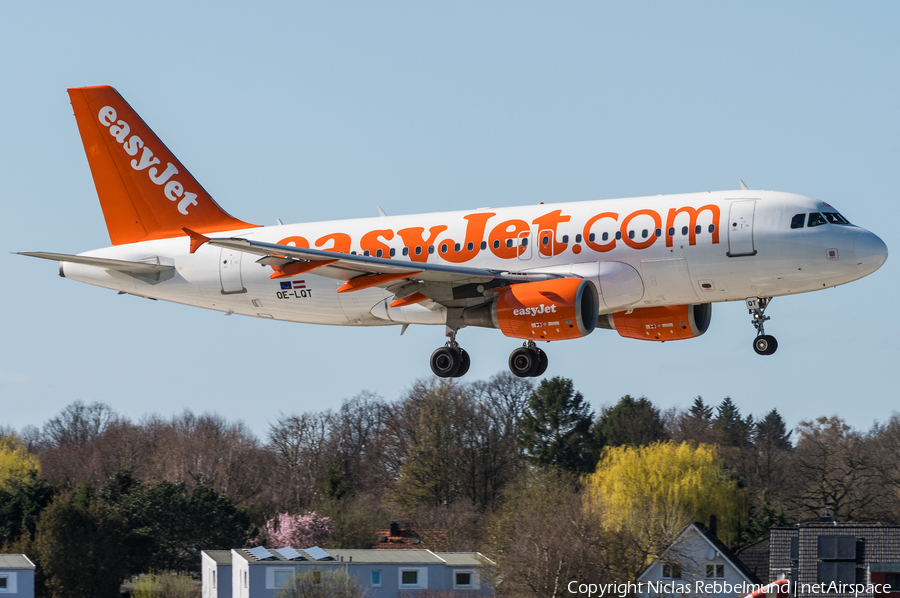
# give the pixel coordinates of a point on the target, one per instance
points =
(765, 344)
(523, 362)
(543, 362)
(445, 362)
(465, 362)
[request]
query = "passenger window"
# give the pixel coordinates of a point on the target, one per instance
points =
(712, 228)
(443, 248)
(618, 235)
(797, 220)
(509, 242)
(366, 253)
(672, 231)
(406, 251)
(545, 240)
(815, 219)
(578, 238)
(456, 247)
(697, 229)
(645, 233)
(483, 245)
(835, 218)
(631, 234)
(379, 253)
(392, 252)
(592, 237)
(419, 250)
(470, 246)
(684, 230)
(605, 237)
(496, 244)
(565, 239)
(659, 232)
(524, 241)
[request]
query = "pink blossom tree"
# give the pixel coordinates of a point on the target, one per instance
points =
(298, 531)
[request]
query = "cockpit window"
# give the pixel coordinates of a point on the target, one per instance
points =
(797, 220)
(815, 219)
(835, 218)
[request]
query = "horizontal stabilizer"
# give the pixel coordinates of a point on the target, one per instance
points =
(118, 265)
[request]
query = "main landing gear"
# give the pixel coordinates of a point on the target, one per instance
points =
(451, 360)
(528, 361)
(763, 344)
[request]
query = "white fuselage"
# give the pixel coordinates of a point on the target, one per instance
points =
(688, 249)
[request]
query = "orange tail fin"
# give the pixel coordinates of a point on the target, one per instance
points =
(145, 192)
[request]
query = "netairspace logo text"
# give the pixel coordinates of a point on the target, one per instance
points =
(622, 590)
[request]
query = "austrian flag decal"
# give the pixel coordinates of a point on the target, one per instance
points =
(293, 284)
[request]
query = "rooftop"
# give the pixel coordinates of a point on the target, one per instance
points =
(15, 561)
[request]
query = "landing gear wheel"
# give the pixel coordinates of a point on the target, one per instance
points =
(446, 362)
(464, 365)
(523, 362)
(543, 362)
(765, 344)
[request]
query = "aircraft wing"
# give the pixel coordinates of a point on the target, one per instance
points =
(362, 271)
(145, 268)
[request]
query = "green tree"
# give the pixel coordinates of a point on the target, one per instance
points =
(653, 492)
(733, 430)
(554, 429)
(79, 545)
(16, 463)
(631, 421)
(169, 526)
(21, 503)
(764, 517)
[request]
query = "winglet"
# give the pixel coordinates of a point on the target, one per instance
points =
(196, 239)
(743, 186)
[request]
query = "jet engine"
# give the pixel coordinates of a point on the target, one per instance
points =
(671, 323)
(546, 310)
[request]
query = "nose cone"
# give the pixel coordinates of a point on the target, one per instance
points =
(871, 253)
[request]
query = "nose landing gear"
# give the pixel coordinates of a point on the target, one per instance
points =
(528, 361)
(451, 360)
(763, 344)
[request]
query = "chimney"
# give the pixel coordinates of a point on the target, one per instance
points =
(395, 528)
(829, 516)
(713, 524)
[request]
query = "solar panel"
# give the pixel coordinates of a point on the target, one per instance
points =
(317, 553)
(289, 553)
(260, 553)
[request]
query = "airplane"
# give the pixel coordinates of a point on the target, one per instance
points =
(648, 268)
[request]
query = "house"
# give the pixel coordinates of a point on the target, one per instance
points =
(756, 558)
(260, 573)
(215, 573)
(16, 576)
(695, 556)
(824, 555)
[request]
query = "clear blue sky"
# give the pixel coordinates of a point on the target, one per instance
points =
(315, 111)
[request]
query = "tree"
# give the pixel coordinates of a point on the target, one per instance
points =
(21, 504)
(541, 537)
(732, 429)
(167, 525)
(653, 492)
(554, 430)
(631, 421)
(79, 547)
(16, 463)
(329, 583)
(298, 531)
(833, 468)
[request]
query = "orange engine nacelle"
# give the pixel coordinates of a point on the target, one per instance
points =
(547, 310)
(660, 323)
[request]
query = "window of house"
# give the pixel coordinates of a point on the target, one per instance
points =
(465, 579)
(376, 578)
(671, 571)
(317, 576)
(3, 582)
(246, 578)
(409, 578)
(282, 577)
(414, 578)
(213, 575)
(798, 220)
(714, 570)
